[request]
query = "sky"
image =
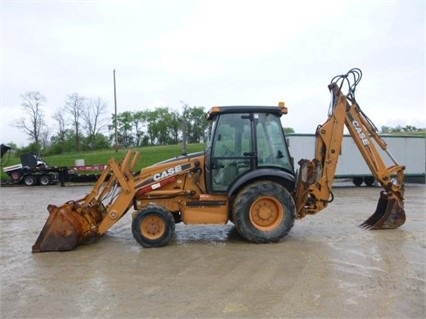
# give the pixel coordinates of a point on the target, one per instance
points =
(168, 53)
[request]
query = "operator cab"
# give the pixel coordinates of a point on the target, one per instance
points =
(243, 139)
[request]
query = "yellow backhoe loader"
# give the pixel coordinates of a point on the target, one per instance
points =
(245, 175)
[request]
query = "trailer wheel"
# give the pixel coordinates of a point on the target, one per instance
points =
(45, 180)
(30, 180)
(369, 180)
(357, 181)
(153, 226)
(263, 212)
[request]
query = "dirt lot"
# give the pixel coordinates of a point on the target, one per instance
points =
(326, 268)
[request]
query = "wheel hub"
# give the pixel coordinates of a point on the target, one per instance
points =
(153, 227)
(266, 213)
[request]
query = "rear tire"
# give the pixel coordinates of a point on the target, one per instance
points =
(30, 180)
(45, 180)
(263, 212)
(153, 226)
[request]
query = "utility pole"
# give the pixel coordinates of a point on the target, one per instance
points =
(115, 107)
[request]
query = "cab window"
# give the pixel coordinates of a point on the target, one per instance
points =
(271, 146)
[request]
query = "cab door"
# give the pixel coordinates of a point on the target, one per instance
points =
(231, 151)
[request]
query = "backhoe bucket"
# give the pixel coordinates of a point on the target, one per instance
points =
(69, 225)
(389, 213)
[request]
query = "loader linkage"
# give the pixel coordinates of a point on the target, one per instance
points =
(77, 222)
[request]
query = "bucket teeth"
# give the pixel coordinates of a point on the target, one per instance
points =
(389, 214)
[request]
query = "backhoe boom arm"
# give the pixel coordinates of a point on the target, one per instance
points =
(316, 177)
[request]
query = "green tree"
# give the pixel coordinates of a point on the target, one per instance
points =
(139, 123)
(385, 130)
(401, 129)
(175, 126)
(196, 121)
(97, 141)
(124, 128)
(63, 142)
(160, 122)
(160, 126)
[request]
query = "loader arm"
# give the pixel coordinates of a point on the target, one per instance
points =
(78, 221)
(316, 177)
(114, 193)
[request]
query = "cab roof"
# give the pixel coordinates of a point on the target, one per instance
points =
(216, 110)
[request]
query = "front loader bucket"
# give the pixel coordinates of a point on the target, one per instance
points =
(69, 225)
(389, 213)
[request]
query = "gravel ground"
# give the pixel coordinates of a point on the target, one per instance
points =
(326, 268)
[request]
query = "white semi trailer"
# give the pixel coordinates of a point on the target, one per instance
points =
(407, 150)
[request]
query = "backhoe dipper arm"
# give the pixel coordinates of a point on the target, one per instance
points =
(364, 133)
(315, 180)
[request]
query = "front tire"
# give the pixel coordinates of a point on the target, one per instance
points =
(153, 226)
(263, 212)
